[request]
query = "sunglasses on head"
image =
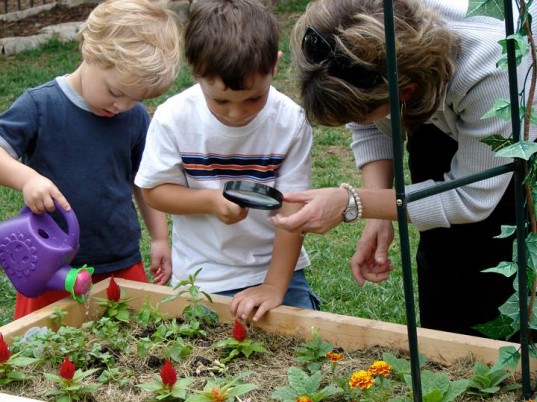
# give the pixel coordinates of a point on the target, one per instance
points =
(316, 49)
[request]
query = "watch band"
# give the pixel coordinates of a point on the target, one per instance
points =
(352, 192)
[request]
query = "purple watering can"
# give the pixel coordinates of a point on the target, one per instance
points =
(35, 254)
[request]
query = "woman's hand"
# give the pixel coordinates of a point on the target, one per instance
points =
(370, 261)
(323, 210)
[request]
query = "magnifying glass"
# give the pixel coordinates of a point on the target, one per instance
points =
(252, 195)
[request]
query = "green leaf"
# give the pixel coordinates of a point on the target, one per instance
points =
(456, 388)
(241, 389)
(434, 381)
(504, 268)
(179, 393)
(285, 394)
(170, 298)
(79, 374)
(506, 231)
(490, 390)
(16, 376)
(499, 328)
(197, 398)
(501, 108)
(312, 384)
(434, 395)
(508, 358)
(330, 390)
(511, 308)
(490, 8)
(297, 378)
(21, 361)
(521, 47)
(150, 386)
(400, 366)
(497, 141)
(520, 149)
(53, 377)
(531, 249)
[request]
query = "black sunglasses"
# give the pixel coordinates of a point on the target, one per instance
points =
(316, 49)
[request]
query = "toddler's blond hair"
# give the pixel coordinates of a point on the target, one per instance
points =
(141, 39)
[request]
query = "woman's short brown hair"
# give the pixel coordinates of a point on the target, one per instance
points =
(426, 53)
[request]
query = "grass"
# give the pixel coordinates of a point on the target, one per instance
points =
(329, 274)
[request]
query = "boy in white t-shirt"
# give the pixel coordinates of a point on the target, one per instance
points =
(231, 125)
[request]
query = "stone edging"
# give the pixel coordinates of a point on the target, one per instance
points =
(64, 32)
(68, 31)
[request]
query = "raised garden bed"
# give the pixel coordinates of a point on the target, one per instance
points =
(348, 333)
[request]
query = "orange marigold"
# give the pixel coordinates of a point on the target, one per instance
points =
(334, 356)
(380, 368)
(304, 398)
(361, 379)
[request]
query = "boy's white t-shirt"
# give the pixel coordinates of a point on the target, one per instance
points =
(188, 146)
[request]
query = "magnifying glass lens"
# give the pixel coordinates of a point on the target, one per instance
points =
(252, 195)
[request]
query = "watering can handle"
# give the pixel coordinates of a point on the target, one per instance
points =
(72, 223)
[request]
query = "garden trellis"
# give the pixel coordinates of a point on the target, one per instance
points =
(520, 150)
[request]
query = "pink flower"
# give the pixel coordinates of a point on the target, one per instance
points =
(4, 350)
(112, 291)
(67, 369)
(168, 374)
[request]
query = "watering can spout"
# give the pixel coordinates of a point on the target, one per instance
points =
(35, 254)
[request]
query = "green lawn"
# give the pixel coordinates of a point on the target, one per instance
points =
(329, 274)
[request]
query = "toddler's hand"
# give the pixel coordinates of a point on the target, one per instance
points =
(161, 266)
(39, 194)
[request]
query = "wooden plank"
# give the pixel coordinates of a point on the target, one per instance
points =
(13, 398)
(343, 331)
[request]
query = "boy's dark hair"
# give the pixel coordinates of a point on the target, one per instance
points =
(231, 40)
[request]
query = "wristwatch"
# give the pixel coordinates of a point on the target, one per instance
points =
(351, 213)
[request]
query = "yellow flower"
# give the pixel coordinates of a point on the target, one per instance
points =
(304, 398)
(361, 379)
(334, 356)
(380, 368)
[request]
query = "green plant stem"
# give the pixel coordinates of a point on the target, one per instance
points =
(527, 121)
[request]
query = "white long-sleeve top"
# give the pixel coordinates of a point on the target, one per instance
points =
(476, 84)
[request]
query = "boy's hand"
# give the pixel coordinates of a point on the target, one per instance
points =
(264, 297)
(39, 194)
(161, 267)
(228, 212)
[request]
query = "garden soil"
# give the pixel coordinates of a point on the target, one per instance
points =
(57, 15)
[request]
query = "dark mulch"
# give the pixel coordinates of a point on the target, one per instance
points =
(56, 15)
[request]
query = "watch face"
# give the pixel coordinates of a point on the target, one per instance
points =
(351, 214)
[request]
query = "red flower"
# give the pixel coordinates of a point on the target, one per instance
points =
(4, 350)
(67, 369)
(112, 291)
(239, 331)
(217, 396)
(168, 374)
